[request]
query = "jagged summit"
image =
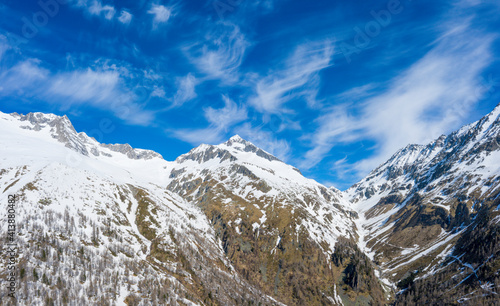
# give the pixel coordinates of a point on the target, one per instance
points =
(236, 138)
(61, 129)
(231, 149)
(242, 145)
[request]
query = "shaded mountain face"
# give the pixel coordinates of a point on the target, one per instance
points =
(428, 208)
(231, 224)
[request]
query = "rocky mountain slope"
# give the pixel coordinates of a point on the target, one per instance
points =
(417, 208)
(231, 224)
(277, 227)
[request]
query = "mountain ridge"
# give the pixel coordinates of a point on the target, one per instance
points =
(241, 213)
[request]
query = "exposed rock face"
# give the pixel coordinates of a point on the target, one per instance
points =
(205, 153)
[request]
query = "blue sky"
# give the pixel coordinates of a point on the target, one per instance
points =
(331, 87)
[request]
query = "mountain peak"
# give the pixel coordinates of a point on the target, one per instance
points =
(237, 139)
(239, 144)
(230, 149)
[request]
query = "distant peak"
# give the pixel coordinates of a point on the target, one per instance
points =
(239, 143)
(237, 138)
(62, 129)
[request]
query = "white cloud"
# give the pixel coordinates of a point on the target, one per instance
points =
(221, 55)
(125, 17)
(97, 8)
(161, 14)
(185, 90)
(86, 85)
(24, 78)
(227, 116)
(298, 78)
(336, 126)
(158, 92)
(195, 137)
(104, 88)
(221, 121)
(430, 98)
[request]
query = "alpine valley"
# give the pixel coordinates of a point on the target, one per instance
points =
(231, 224)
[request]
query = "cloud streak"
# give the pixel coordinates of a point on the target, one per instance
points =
(185, 90)
(222, 53)
(125, 17)
(161, 14)
(104, 88)
(299, 78)
(431, 97)
(95, 8)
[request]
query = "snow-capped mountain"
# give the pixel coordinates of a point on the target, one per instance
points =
(269, 217)
(231, 224)
(415, 207)
(97, 225)
(222, 224)
(62, 130)
(239, 172)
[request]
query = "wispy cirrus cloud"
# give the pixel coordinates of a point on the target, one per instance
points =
(125, 17)
(225, 117)
(429, 98)
(299, 78)
(22, 78)
(185, 90)
(102, 87)
(86, 85)
(221, 54)
(95, 8)
(161, 14)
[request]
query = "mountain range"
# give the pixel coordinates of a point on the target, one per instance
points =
(231, 224)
